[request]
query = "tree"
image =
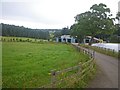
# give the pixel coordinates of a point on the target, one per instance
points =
(116, 35)
(77, 32)
(65, 31)
(57, 34)
(96, 21)
(118, 25)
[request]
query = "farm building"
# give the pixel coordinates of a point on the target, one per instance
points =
(95, 40)
(66, 38)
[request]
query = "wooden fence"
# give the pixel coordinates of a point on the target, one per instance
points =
(69, 76)
(80, 71)
(88, 51)
(106, 49)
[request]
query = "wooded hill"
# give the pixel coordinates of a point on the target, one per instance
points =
(20, 31)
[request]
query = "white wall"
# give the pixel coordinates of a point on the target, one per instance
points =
(72, 40)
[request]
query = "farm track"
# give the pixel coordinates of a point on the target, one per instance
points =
(107, 73)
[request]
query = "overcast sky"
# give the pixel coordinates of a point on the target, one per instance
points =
(51, 14)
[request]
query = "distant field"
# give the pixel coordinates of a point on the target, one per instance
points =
(29, 64)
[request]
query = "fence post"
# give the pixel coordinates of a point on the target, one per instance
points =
(113, 50)
(88, 51)
(93, 54)
(105, 49)
(80, 68)
(53, 78)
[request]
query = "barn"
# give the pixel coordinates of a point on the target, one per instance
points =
(66, 38)
(95, 40)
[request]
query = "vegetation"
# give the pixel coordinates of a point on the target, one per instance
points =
(17, 31)
(20, 31)
(28, 64)
(97, 22)
(64, 31)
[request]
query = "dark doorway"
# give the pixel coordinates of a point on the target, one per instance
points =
(69, 40)
(76, 41)
(59, 39)
(87, 40)
(64, 39)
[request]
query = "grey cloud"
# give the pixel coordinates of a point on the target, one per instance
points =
(15, 9)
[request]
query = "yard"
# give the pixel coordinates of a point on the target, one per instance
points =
(26, 64)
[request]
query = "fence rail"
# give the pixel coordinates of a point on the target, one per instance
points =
(81, 71)
(106, 49)
(91, 53)
(66, 70)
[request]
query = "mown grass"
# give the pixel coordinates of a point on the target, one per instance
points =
(27, 64)
(101, 50)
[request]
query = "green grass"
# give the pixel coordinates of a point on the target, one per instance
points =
(27, 64)
(103, 51)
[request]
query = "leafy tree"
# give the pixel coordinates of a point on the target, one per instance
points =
(118, 25)
(65, 31)
(116, 35)
(77, 32)
(57, 33)
(94, 22)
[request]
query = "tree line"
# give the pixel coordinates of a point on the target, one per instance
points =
(20, 31)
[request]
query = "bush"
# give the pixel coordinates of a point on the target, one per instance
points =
(27, 40)
(17, 39)
(20, 40)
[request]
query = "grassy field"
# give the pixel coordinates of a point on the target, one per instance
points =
(27, 64)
